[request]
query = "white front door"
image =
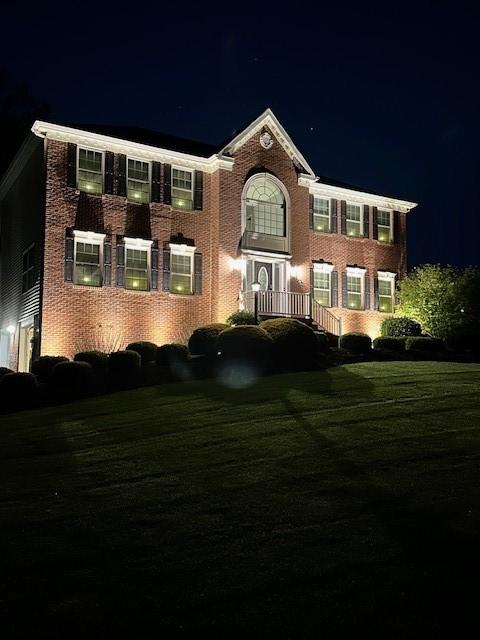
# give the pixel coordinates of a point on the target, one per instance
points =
(25, 345)
(268, 272)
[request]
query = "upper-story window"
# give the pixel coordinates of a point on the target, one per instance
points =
(88, 258)
(321, 214)
(354, 220)
(386, 291)
(90, 171)
(265, 207)
(181, 268)
(28, 269)
(182, 188)
(384, 225)
(138, 181)
(136, 267)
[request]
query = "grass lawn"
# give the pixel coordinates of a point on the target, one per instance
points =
(313, 505)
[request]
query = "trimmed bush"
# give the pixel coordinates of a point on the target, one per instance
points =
(72, 378)
(43, 367)
(246, 344)
(357, 343)
(424, 344)
(146, 350)
(203, 340)
(241, 317)
(322, 341)
(399, 326)
(169, 354)
(124, 366)
(97, 359)
(4, 371)
(390, 343)
(295, 343)
(18, 391)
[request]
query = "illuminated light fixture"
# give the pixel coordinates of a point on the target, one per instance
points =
(11, 329)
(255, 287)
(295, 271)
(238, 263)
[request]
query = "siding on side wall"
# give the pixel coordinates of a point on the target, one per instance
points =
(21, 225)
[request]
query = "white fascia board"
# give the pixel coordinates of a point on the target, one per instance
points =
(356, 271)
(182, 249)
(323, 267)
(268, 118)
(90, 236)
(138, 243)
(266, 254)
(117, 145)
(357, 197)
(388, 275)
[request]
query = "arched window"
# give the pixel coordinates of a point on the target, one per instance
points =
(265, 210)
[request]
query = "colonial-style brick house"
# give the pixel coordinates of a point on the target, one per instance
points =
(110, 235)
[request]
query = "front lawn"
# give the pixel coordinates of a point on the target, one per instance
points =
(313, 505)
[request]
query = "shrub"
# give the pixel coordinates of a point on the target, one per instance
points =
(246, 344)
(295, 343)
(72, 378)
(97, 359)
(357, 343)
(43, 367)
(174, 357)
(322, 341)
(4, 371)
(424, 344)
(399, 326)
(124, 366)
(18, 391)
(241, 317)
(203, 340)
(390, 343)
(146, 350)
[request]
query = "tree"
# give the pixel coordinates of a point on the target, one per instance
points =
(444, 299)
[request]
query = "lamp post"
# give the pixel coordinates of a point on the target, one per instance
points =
(255, 289)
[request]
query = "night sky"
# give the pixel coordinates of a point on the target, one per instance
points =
(383, 97)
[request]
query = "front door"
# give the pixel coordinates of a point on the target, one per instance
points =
(264, 275)
(25, 346)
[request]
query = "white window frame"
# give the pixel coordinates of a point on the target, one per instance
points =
(390, 228)
(182, 250)
(191, 191)
(329, 207)
(78, 167)
(149, 181)
(387, 276)
(32, 268)
(89, 237)
(358, 272)
(143, 245)
(360, 206)
(323, 267)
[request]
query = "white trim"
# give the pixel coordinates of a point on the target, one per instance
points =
(137, 243)
(323, 267)
(181, 249)
(267, 254)
(267, 118)
(89, 236)
(355, 271)
(285, 193)
(386, 275)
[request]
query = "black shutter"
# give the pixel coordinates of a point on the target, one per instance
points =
(71, 165)
(366, 297)
(375, 293)
(375, 223)
(333, 216)
(334, 287)
(343, 214)
(107, 262)
(155, 181)
(154, 268)
(120, 263)
(197, 273)
(366, 221)
(122, 175)
(396, 226)
(69, 254)
(109, 158)
(198, 193)
(166, 269)
(310, 213)
(167, 183)
(344, 290)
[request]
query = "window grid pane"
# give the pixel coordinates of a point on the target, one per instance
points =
(90, 177)
(321, 288)
(28, 270)
(138, 183)
(354, 292)
(87, 264)
(180, 273)
(385, 295)
(136, 269)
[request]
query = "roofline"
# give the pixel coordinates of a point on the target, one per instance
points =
(16, 165)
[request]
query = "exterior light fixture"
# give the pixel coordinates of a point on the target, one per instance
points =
(255, 289)
(11, 329)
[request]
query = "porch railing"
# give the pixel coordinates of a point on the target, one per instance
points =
(323, 317)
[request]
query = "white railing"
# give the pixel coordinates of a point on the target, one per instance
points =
(325, 319)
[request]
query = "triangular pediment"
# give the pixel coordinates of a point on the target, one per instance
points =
(268, 120)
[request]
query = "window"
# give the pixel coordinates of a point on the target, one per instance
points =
(88, 258)
(354, 220)
(265, 207)
(181, 263)
(28, 269)
(138, 181)
(354, 291)
(90, 171)
(384, 225)
(321, 214)
(136, 268)
(182, 189)
(322, 287)
(386, 286)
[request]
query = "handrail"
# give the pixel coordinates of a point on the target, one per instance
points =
(324, 318)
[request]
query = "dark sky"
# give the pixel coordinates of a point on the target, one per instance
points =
(383, 96)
